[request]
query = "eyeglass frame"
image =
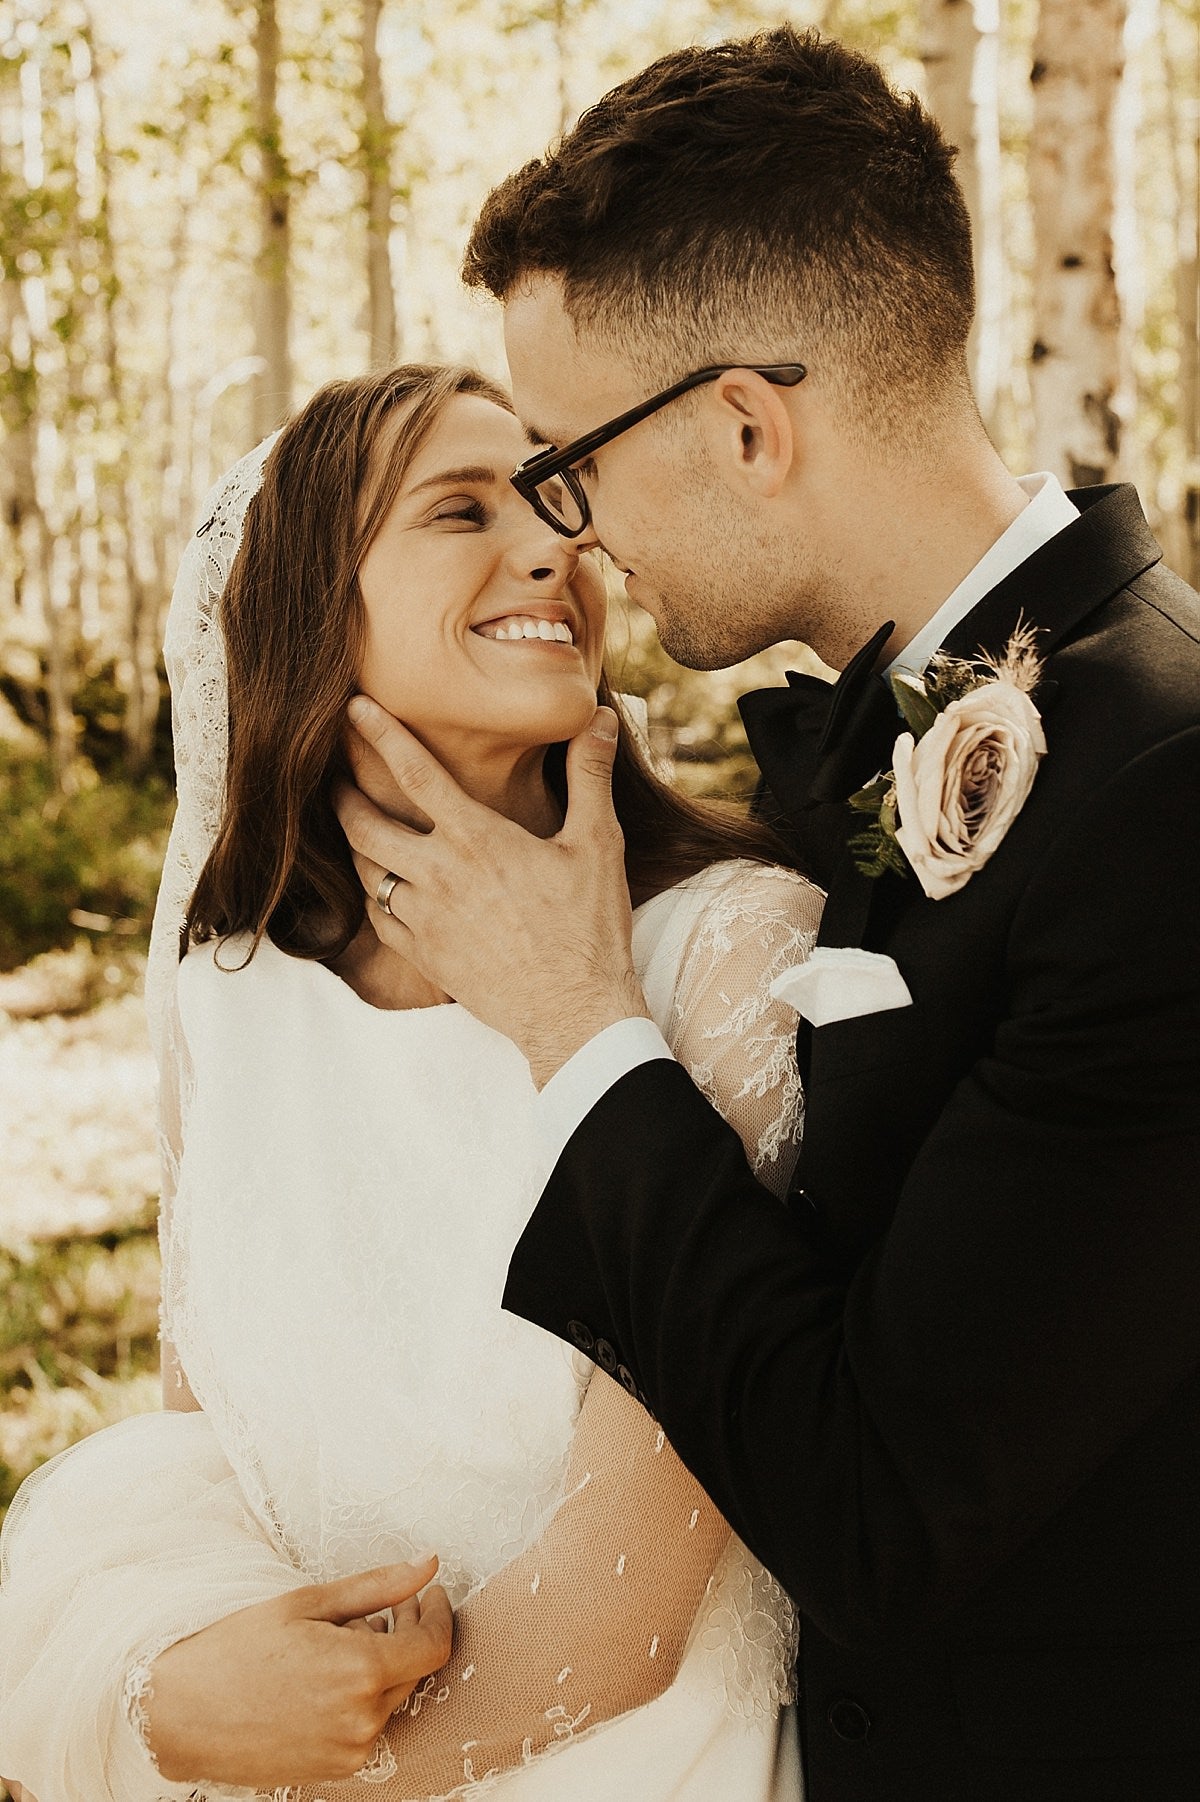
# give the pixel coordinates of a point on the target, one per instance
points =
(528, 476)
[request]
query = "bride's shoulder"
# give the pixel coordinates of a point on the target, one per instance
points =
(228, 973)
(225, 956)
(737, 885)
(770, 910)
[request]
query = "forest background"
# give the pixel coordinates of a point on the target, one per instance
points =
(209, 207)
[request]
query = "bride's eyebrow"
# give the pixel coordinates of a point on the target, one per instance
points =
(469, 472)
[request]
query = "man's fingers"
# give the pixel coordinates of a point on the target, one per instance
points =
(416, 772)
(367, 827)
(589, 778)
(350, 1598)
(371, 773)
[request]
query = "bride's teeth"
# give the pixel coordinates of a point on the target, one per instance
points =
(518, 626)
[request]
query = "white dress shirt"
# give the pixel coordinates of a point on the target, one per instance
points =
(574, 1090)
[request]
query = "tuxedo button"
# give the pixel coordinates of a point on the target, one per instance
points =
(582, 1337)
(849, 1719)
(605, 1356)
(627, 1380)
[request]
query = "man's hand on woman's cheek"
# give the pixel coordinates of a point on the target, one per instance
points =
(532, 935)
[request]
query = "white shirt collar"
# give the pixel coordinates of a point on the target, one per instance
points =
(1049, 509)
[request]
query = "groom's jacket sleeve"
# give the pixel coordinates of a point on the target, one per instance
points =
(885, 1437)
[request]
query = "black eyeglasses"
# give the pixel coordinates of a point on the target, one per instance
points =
(552, 487)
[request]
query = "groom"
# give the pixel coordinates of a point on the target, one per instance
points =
(950, 1394)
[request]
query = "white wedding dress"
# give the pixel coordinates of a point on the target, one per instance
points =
(350, 1187)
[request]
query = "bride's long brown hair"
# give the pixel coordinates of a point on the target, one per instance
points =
(294, 628)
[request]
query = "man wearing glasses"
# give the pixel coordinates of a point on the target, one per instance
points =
(951, 1394)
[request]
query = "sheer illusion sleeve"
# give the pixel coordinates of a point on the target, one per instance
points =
(737, 1043)
(594, 1619)
(590, 1622)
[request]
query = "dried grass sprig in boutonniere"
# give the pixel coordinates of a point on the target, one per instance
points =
(961, 773)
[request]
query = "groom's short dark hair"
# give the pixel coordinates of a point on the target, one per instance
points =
(772, 197)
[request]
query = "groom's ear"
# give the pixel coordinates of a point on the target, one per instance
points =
(758, 435)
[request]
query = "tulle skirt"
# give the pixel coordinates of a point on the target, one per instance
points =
(140, 1535)
(121, 1545)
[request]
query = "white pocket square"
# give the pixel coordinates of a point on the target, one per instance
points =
(840, 982)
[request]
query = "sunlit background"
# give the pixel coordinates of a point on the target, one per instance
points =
(208, 209)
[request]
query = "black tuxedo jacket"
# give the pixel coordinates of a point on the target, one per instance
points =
(951, 1394)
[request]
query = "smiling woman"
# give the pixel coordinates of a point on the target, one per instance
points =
(460, 574)
(350, 1155)
(387, 550)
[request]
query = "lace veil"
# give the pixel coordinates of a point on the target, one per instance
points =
(194, 650)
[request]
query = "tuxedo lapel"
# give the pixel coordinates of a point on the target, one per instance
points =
(1054, 590)
(1076, 571)
(815, 744)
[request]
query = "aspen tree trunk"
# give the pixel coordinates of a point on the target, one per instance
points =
(36, 591)
(376, 150)
(1077, 354)
(1183, 123)
(141, 618)
(31, 545)
(272, 392)
(960, 49)
(176, 502)
(560, 17)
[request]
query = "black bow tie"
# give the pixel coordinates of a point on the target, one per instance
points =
(816, 743)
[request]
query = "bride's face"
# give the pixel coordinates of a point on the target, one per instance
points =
(484, 628)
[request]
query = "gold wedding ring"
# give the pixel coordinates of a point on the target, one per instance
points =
(383, 894)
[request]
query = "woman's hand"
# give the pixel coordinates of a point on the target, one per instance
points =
(285, 1693)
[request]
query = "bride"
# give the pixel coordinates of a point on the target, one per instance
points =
(349, 1159)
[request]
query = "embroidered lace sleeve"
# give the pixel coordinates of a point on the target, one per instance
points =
(594, 1619)
(736, 1042)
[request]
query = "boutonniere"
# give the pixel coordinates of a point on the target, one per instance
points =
(961, 774)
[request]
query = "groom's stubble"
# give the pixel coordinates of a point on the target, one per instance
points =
(735, 587)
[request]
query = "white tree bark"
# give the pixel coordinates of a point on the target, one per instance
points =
(272, 394)
(38, 587)
(1183, 127)
(960, 50)
(1077, 358)
(376, 149)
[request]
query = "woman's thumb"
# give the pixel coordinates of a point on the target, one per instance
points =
(366, 1592)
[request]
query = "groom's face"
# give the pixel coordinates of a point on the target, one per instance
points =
(691, 555)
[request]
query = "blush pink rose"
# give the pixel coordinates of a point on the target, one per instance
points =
(960, 787)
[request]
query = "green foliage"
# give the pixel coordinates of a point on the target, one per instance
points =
(918, 710)
(873, 847)
(78, 1341)
(99, 850)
